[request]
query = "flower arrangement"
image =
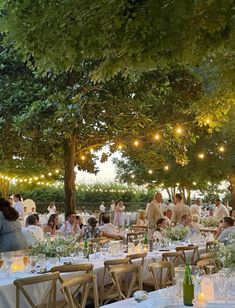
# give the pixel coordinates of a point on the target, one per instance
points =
(59, 246)
(210, 222)
(176, 233)
(226, 252)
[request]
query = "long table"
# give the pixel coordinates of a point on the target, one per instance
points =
(8, 290)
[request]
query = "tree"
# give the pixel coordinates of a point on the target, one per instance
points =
(210, 159)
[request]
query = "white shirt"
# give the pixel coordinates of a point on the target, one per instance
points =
(112, 207)
(102, 208)
(195, 209)
(20, 209)
(33, 233)
(109, 229)
(163, 207)
(221, 211)
(67, 228)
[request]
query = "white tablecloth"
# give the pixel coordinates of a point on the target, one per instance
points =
(8, 290)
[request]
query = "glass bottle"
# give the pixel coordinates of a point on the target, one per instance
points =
(188, 287)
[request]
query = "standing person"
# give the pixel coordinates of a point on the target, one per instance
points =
(119, 215)
(51, 208)
(102, 207)
(179, 210)
(112, 211)
(11, 236)
(154, 212)
(18, 206)
(196, 208)
(221, 210)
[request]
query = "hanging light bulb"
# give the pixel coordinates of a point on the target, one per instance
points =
(166, 168)
(201, 155)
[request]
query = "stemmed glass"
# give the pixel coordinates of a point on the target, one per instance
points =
(33, 262)
(225, 283)
(177, 282)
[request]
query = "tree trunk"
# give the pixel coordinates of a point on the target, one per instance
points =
(232, 186)
(69, 175)
(4, 188)
(188, 199)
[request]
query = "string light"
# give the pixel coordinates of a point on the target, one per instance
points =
(50, 174)
(91, 150)
(57, 171)
(207, 121)
(179, 130)
(221, 149)
(201, 155)
(157, 136)
(132, 176)
(166, 168)
(136, 143)
(83, 157)
(119, 146)
(150, 171)
(194, 183)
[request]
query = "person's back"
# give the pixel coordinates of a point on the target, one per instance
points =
(32, 232)
(11, 236)
(179, 211)
(154, 213)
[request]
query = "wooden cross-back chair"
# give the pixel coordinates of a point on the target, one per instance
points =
(211, 246)
(162, 274)
(173, 256)
(195, 254)
(86, 283)
(206, 264)
(108, 289)
(125, 287)
(48, 300)
(79, 269)
(101, 240)
(136, 228)
(138, 257)
(208, 255)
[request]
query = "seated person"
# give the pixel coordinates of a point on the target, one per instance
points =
(196, 222)
(108, 229)
(232, 214)
(194, 228)
(52, 225)
(91, 231)
(32, 232)
(168, 216)
(37, 219)
(70, 226)
(80, 224)
(142, 221)
(211, 212)
(161, 224)
(226, 229)
(100, 221)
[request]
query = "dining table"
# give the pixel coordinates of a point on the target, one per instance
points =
(8, 289)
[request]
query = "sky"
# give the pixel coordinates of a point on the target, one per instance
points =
(107, 172)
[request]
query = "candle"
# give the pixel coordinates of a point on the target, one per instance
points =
(201, 297)
(207, 287)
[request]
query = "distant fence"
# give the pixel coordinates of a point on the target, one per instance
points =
(89, 206)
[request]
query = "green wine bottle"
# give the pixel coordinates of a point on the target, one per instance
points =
(146, 239)
(188, 287)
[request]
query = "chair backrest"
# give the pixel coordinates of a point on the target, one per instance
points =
(211, 246)
(49, 298)
(85, 283)
(120, 277)
(162, 273)
(173, 256)
(108, 290)
(208, 265)
(207, 255)
(137, 228)
(101, 240)
(137, 256)
(193, 249)
(68, 268)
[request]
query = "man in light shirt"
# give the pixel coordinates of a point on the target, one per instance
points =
(108, 229)
(179, 210)
(196, 208)
(227, 228)
(32, 232)
(154, 211)
(71, 225)
(221, 210)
